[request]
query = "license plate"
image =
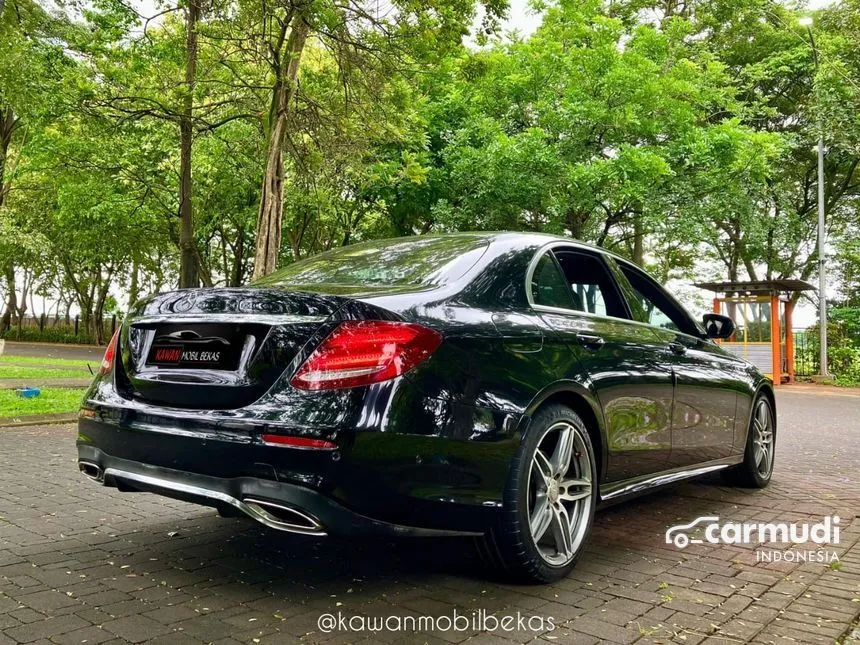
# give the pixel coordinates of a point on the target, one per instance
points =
(195, 347)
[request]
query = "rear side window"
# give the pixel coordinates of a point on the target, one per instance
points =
(548, 285)
(416, 261)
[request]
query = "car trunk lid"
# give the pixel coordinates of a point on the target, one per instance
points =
(217, 348)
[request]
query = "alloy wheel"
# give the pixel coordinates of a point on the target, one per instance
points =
(560, 493)
(763, 439)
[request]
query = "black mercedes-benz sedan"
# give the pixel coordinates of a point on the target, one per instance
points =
(498, 385)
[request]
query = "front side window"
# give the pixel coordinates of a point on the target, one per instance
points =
(658, 309)
(591, 284)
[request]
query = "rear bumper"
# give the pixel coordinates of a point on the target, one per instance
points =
(387, 481)
(278, 505)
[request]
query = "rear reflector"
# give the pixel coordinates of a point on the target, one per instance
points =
(110, 355)
(298, 442)
(361, 352)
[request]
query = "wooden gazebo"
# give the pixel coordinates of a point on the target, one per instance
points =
(764, 331)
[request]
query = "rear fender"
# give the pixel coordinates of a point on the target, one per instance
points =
(582, 400)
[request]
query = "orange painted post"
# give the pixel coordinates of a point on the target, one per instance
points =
(776, 352)
(716, 311)
(789, 339)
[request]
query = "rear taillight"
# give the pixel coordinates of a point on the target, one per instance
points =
(110, 355)
(361, 352)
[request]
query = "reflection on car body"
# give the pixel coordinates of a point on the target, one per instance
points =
(498, 385)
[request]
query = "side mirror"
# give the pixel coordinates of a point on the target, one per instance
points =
(717, 326)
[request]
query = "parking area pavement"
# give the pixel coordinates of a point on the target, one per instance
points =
(84, 564)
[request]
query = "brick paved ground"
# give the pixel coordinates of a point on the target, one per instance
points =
(84, 564)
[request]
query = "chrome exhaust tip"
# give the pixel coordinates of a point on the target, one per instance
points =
(283, 518)
(91, 470)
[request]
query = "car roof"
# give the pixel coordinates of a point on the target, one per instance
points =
(522, 239)
(528, 239)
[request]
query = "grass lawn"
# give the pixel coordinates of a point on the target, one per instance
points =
(63, 363)
(52, 400)
(37, 373)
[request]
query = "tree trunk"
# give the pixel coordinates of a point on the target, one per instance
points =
(238, 258)
(99, 312)
(11, 301)
(7, 126)
(748, 265)
(134, 286)
(638, 240)
(188, 273)
(732, 307)
(84, 293)
(203, 272)
(576, 224)
(87, 317)
(22, 301)
(158, 281)
(272, 194)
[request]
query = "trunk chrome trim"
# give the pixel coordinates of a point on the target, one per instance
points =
(253, 509)
(166, 418)
(228, 317)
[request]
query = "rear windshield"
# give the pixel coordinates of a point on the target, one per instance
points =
(410, 261)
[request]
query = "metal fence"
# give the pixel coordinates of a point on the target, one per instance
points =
(805, 353)
(758, 352)
(62, 329)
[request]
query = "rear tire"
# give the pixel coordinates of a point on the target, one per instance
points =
(756, 469)
(549, 501)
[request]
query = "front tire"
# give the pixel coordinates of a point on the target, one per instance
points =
(549, 501)
(756, 469)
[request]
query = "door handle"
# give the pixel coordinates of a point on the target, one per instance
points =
(590, 340)
(677, 348)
